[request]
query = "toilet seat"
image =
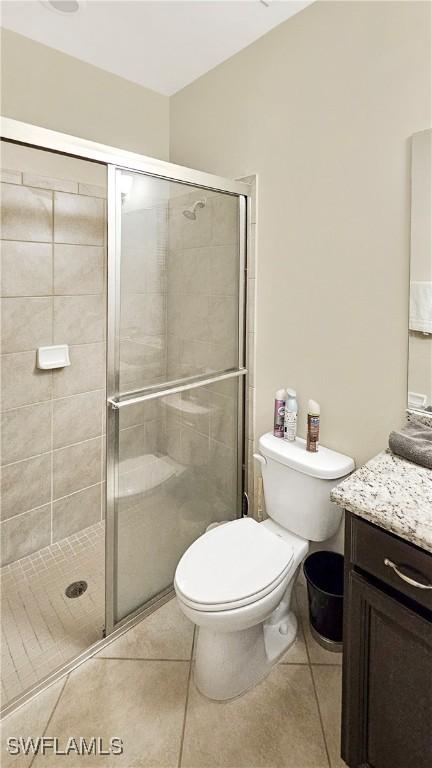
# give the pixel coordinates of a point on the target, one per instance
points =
(233, 565)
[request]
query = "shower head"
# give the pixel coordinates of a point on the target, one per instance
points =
(190, 213)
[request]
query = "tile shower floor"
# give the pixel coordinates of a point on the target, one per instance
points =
(140, 688)
(41, 627)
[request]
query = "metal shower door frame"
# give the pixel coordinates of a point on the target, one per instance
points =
(117, 400)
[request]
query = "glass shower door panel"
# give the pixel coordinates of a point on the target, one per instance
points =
(178, 472)
(179, 278)
(178, 318)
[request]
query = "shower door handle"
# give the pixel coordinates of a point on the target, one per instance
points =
(117, 404)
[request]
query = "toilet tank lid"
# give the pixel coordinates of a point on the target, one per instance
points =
(324, 464)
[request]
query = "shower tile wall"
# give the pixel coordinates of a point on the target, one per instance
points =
(53, 292)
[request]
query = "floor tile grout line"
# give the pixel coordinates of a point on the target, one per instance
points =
(301, 621)
(321, 719)
(51, 715)
(188, 685)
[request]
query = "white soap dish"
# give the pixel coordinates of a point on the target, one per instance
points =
(53, 357)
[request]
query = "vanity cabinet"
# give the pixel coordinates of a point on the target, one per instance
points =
(387, 662)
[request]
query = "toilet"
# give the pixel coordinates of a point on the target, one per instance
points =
(235, 582)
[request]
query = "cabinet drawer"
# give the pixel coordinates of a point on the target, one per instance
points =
(378, 553)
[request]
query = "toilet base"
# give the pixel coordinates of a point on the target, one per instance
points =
(230, 663)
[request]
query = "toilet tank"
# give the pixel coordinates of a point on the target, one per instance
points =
(297, 485)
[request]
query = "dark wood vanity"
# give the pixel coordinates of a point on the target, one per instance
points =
(387, 663)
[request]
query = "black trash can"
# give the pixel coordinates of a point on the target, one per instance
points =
(324, 572)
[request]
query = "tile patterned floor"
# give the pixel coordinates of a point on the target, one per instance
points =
(41, 627)
(140, 688)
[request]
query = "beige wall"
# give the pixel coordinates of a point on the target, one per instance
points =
(322, 108)
(48, 88)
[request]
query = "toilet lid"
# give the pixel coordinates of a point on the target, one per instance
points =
(232, 563)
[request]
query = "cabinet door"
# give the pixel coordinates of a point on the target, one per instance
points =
(387, 685)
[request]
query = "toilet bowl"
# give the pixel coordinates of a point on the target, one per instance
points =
(235, 582)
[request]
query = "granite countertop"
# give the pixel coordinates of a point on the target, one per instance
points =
(393, 493)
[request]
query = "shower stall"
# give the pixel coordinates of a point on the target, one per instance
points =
(115, 464)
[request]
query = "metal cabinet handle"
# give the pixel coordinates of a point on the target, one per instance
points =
(402, 576)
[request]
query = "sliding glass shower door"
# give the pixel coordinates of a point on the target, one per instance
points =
(175, 376)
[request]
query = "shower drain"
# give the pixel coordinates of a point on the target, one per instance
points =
(76, 589)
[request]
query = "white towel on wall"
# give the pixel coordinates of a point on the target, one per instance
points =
(420, 315)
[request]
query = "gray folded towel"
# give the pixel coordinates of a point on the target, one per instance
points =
(413, 442)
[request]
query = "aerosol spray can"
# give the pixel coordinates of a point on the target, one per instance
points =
(279, 413)
(290, 420)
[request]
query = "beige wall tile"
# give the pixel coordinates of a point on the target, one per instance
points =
(187, 357)
(224, 209)
(152, 436)
(79, 319)
(78, 219)
(44, 182)
(139, 414)
(22, 382)
(76, 467)
(131, 442)
(143, 314)
(26, 269)
(93, 190)
(77, 418)
(143, 273)
(193, 408)
(25, 534)
(75, 512)
(10, 177)
(223, 419)
(194, 448)
(224, 470)
(78, 269)
(86, 371)
(188, 271)
(142, 360)
(224, 356)
(26, 214)
(26, 324)
(190, 317)
(198, 232)
(25, 432)
(26, 485)
(223, 270)
(223, 319)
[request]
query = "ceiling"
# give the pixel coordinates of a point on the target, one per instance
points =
(162, 45)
